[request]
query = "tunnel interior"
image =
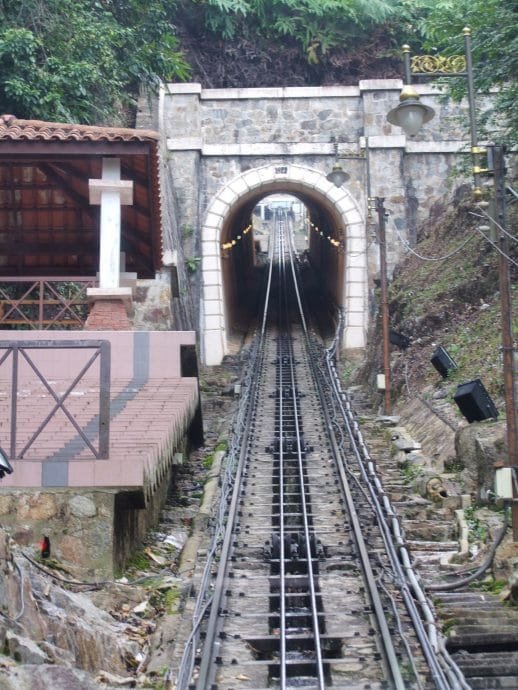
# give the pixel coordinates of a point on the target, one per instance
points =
(319, 239)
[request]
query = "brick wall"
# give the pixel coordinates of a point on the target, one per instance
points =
(108, 315)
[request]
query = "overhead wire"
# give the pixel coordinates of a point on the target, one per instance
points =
(428, 258)
(493, 220)
(493, 244)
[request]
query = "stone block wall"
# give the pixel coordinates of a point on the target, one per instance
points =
(214, 135)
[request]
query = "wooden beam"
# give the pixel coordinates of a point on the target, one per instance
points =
(55, 175)
(62, 150)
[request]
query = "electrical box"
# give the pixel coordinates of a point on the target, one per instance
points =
(474, 402)
(443, 361)
(380, 382)
(504, 483)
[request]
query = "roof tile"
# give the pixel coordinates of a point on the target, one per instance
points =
(31, 130)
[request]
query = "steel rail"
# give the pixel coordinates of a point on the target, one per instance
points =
(286, 251)
(280, 402)
(370, 580)
(302, 489)
(395, 543)
(327, 386)
(213, 625)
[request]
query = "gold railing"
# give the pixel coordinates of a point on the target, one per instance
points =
(49, 303)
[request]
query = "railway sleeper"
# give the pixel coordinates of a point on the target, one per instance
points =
(267, 647)
(295, 547)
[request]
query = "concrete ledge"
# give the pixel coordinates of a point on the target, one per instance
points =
(172, 89)
(123, 293)
(281, 92)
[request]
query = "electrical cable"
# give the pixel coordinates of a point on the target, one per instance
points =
(498, 225)
(493, 244)
(429, 258)
(450, 586)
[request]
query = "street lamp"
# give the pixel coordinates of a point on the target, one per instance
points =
(337, 175)
(410, 114)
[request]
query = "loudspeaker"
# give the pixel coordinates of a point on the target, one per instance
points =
(474, 401)
(442, 361)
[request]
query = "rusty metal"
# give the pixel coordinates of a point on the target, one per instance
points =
(102, 350)
(506, 321)
(380, 208)
(42, 295)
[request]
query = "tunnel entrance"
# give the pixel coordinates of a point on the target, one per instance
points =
(328, 230)
(245, 264)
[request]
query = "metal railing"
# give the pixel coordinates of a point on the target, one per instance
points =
(44, 303)
(19, 350)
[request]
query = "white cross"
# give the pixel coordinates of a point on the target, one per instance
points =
(111, 193)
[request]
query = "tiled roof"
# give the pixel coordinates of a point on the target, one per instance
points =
(31, 130)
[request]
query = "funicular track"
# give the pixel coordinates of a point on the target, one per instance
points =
(308, 583)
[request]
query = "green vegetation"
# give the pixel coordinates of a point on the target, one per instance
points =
(489, 585)
(81, 61)
(138, 561)
(477, 529)
(316, 25)
(192, 263)
(209, 459)
(411, 473)
(495, 54)
(221, 446)
(453, 302)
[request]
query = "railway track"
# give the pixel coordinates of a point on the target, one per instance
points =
(307, 582)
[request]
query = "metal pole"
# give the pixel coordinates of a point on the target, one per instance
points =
(406, 58)
(380, 208)
(506, 321)
(476, 151)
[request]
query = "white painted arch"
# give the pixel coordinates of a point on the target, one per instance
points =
(289, 178)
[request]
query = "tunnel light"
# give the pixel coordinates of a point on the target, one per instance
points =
(337, 175)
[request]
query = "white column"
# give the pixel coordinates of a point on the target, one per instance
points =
(110, 192)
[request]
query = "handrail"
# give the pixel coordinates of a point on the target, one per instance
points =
(42, 304)
(19, 349)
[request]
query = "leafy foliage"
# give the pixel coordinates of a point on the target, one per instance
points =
(494, 50)
(85, 60)
(316, 25)
(81, 61)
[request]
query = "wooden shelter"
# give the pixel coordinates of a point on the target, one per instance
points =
(48, 227)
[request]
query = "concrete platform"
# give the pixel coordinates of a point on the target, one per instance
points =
(58, 487)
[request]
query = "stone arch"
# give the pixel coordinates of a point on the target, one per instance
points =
(289, 178)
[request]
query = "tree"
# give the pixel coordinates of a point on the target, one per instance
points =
(83, 61)
(495, 55)
(317, 25)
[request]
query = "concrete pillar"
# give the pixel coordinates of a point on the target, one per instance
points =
(110, 193)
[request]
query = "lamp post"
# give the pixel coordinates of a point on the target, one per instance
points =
(411, 114)
(382, 213)
(459, 66)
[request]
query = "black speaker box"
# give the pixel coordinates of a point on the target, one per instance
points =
(474, 401)
(442, 361)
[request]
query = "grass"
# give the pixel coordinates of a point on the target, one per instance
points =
(411, 473)
(477, 529)
(454, 302)
(491, 586)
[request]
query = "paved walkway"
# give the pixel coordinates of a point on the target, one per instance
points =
(148, 421)
(152, 402)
